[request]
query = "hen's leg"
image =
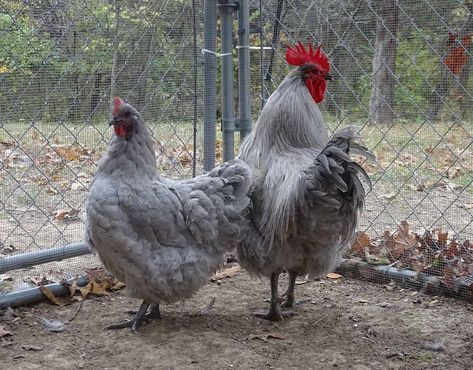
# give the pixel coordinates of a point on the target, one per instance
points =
(136, 321)
(289, 302)
(275, 313)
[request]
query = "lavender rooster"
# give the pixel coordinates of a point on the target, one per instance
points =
(308, 194)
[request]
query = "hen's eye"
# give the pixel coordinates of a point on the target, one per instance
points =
(127, 114)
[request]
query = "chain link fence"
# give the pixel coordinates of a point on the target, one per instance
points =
(61, 63)
(402, 76)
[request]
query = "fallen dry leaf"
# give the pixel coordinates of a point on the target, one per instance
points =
(74, 153)
(93, 287)
(333, 275)
(5, 277)
(448, 276)
(118, 285)
(52, 298)
(437, 346)
(442, 238)
(227, 273)
(265, 337)
(99, 282)
(401, 241)
(4, 332)
(52, 325)
(31, 347)
(452, 250)
(66, 214)
(362, 241)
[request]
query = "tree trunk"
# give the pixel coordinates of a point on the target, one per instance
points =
(142, 82)
(115, 45)
(384, 62)
(464, 95)
(95, 97)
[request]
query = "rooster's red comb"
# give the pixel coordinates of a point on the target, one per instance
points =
(117, 103)
(298, 55)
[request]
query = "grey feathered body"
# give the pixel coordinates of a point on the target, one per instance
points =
(163, 238)
(307, 192)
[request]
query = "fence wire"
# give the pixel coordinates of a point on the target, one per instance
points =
(402, 76)
(61, 63)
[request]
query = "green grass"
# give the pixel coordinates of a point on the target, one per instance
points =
(428, 152)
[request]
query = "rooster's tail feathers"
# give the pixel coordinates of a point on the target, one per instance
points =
(335, 172)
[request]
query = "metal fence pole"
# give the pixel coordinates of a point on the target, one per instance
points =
(24, 260)
(34, 295)
(244, 101)
(210, 83)
(226, 9)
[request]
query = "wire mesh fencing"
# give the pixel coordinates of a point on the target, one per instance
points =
(61, 63)
(402, 76)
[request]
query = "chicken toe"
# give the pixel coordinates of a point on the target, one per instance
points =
(275, 313)
(152, 313)
(136, 321)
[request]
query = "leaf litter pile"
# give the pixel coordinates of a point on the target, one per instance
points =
(434, 252)
(97, 282)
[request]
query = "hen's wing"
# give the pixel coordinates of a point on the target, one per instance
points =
(215, 205)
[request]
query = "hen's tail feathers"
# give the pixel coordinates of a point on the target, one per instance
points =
(335, 173)
(237, 174)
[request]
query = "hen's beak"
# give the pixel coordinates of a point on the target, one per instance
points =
(328, 77)
(114, 121)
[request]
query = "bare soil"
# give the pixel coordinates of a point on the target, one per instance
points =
(340, 323)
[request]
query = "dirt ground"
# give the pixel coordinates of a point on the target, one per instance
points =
(341, 323)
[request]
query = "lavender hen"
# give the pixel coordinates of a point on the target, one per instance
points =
(162, 238)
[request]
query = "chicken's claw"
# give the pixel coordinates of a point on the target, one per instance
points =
(140, 316)
(275, 313)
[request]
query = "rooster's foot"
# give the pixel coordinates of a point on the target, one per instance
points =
(275, 314)
(288, 304)
(152, 313)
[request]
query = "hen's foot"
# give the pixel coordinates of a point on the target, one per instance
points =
(275, 314)
(136, 322)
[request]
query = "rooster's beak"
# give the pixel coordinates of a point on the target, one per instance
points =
(328, 77)
(113, 121)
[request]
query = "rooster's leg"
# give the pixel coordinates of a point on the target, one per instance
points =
(289, 302)
(275, 313)
(135, 322)
(153, 312)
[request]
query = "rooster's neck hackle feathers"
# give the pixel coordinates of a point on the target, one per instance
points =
(290, 122)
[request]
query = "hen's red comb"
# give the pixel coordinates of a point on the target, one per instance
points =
(298, 55)
(117, 103)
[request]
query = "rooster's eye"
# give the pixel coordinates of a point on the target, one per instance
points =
(127, 114)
